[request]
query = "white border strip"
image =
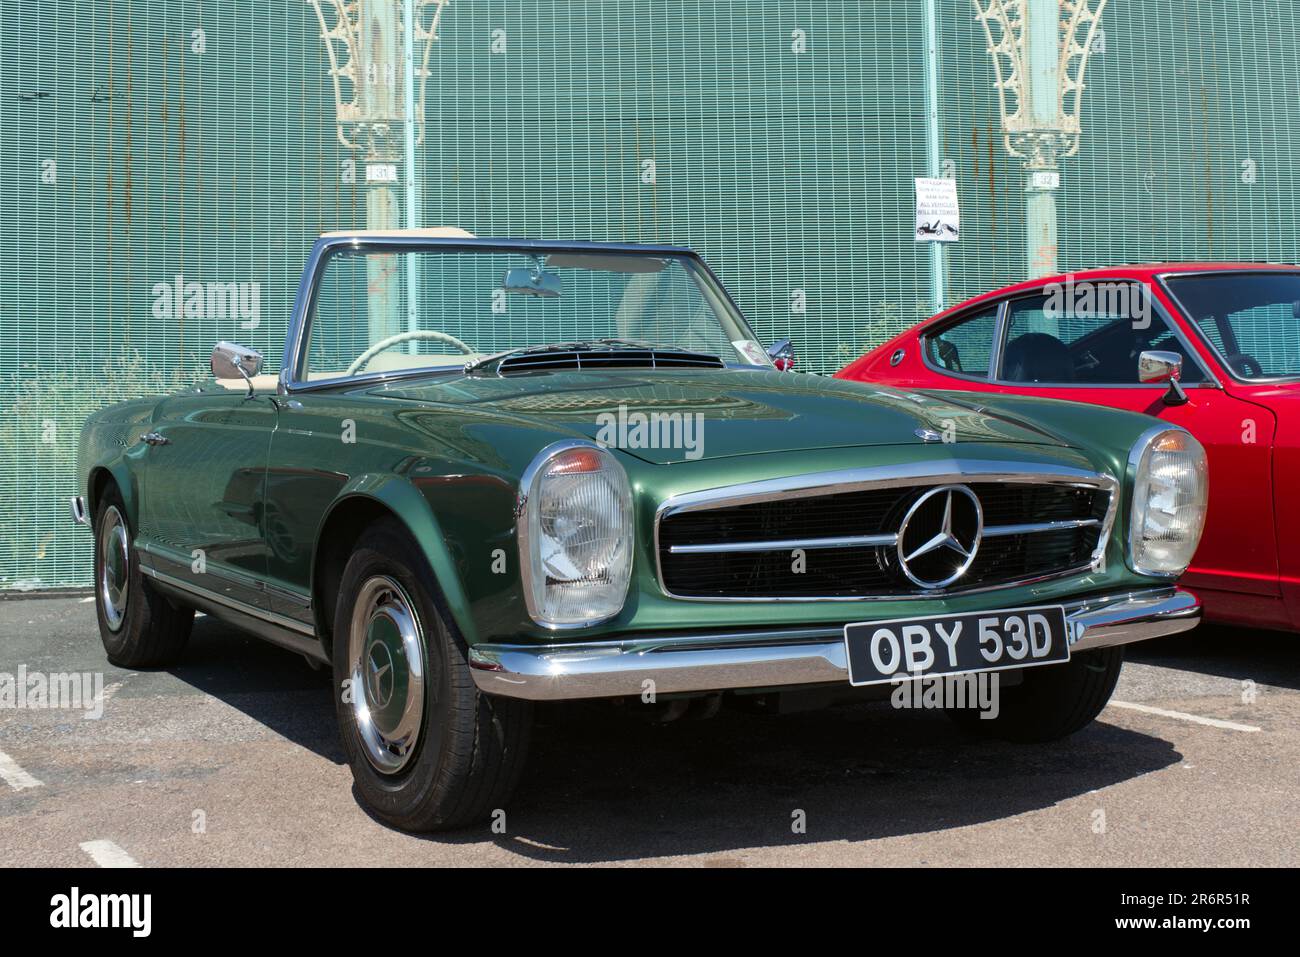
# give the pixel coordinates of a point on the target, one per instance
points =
(1184, 716)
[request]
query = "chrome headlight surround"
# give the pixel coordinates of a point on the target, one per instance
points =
(575, 529)
(1169, 478)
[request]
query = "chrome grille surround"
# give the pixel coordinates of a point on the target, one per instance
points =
(908, 475)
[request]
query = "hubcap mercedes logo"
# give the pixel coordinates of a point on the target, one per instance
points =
(379, 676)
(940, 536)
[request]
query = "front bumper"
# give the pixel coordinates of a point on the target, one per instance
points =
(771, 659)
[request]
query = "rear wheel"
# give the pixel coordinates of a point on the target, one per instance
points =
(1053, 701)
(139, 626)
(427, 749)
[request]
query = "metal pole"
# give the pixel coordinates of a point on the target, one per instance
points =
(411, 177)
(376, 66)
(938, 295)
(1043, 98)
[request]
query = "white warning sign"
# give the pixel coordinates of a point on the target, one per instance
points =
(938, 216)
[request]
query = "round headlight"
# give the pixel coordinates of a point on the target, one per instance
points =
(575, 535)
(1170, 494)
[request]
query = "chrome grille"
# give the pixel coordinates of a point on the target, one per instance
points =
(739, 544)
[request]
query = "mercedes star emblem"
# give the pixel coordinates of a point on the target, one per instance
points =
(940, 536)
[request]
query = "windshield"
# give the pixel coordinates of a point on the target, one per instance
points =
(382, 310)
(1251, 319)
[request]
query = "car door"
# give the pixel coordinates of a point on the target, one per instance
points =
(1065, 346)
(201, 521)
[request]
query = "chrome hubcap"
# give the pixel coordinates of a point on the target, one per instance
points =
(114, 568)
(386, 664)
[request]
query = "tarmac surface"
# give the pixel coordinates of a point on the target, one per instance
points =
(232, 758)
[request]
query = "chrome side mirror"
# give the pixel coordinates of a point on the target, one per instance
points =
(1163, 367)
(233, 361)
(1160, 367)
(782, 354)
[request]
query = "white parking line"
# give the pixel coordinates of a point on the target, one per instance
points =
(1184, 716)
(14, 776)
(108, 854)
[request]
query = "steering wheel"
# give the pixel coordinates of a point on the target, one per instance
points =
(425, 334)
(1245, 365)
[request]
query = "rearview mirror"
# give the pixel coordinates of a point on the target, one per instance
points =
(233, 361)
(782, 354)
(532, 282)
(1163, 367)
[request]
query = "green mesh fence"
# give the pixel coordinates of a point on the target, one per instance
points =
(779, 138)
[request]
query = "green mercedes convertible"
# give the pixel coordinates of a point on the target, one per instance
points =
(496, 472)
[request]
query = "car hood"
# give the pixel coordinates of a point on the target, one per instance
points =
(664, 417)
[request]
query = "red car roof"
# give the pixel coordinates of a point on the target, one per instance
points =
(1141, 271)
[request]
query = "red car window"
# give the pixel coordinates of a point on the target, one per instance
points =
(965, 347)
(1094, 342)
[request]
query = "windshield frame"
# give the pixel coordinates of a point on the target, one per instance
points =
(294, 358)
(1195, 327)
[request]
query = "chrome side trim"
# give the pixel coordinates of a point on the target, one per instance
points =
(80, 513)
(251, 610)
(724, 661)
(938, 472)
(295, 598)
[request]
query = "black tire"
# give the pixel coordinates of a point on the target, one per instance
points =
(148, 631)
(471, 747)
(1054, 701)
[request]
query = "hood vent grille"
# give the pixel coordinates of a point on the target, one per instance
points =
(608, 359)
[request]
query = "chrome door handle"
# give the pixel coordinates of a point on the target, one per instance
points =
(155, 438)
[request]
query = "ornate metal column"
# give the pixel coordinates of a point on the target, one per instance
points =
(374, 47)
(1040, 51)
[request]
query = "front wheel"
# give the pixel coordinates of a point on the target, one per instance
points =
(427, 749)
(1053, 701)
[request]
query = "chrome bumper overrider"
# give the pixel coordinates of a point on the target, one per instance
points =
(761, 659)
(77, 505)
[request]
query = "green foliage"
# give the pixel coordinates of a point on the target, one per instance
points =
(41, 414)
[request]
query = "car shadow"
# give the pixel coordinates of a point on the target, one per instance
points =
(273, 686)
(604, 784)
(1265, 657)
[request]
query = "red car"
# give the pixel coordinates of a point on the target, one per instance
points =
(1211, 347)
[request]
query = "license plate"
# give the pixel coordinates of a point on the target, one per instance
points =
(880, 651)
